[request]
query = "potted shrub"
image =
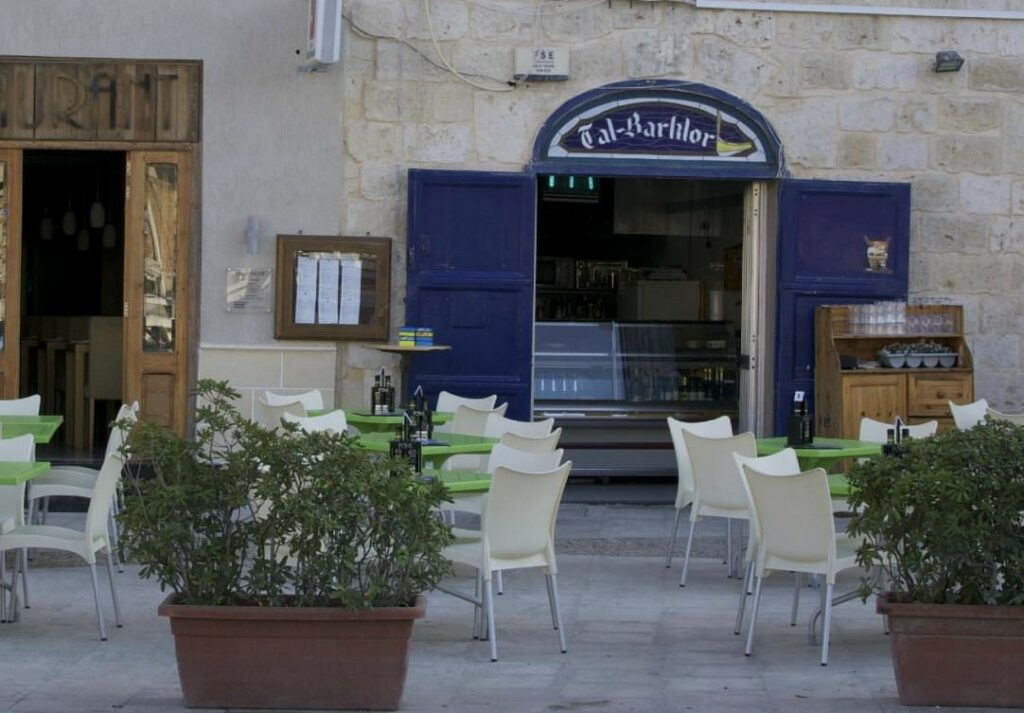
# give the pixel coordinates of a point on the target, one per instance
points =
(295, 560)
(944, 522)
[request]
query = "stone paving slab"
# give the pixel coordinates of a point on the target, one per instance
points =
(638, 643)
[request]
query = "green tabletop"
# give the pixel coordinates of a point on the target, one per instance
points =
(18, 472)
(832, 450)
(42, 428)
(838, 485)
(369, 423)
(433, 455)
(462, 481)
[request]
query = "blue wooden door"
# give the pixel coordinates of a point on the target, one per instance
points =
(470, 278)
(840, 242)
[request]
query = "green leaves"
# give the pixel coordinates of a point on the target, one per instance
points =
(244, 515)
(946, 520)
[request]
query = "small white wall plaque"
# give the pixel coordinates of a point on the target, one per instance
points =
(250, 290)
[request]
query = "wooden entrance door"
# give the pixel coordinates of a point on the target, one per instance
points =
(156, 305)
(10, 270)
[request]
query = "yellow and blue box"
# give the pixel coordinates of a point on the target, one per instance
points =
(407, 336)
(424, 337)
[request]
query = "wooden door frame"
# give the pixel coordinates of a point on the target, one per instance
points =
(192, 278)
(11, 356)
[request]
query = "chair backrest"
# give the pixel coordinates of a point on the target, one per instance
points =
(311, 400)
(720, 427)
(530, 444)
(716, 478)
(270, 415)
(471, 421)
(783, 462)
(117, 437)
(447, 402)
(333, 421)
(497, 426)
(12, 498)
(1014, 418)
(102, 493)
(519, 513)
(874, 431)
(28, 406)
(507, 457)
(967, 416)
(793, 515)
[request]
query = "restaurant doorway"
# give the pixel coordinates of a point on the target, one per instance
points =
(72, 291)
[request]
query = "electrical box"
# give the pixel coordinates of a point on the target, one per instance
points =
(542, 64)
(323, 42)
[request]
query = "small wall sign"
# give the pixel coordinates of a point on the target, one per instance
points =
(250, 290)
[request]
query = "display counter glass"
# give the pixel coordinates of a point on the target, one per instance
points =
(635, 368)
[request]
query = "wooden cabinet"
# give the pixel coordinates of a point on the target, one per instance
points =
(849, 384)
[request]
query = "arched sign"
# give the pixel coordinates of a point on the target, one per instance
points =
(659, 128)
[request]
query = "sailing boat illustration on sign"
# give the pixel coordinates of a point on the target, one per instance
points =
(728, 148)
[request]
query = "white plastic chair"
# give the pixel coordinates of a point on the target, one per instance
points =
(75, 481)
(470, 421)
(517, 531)
(28, 406)
(498, 426)
(333, 421)
(1015, 418)
(12, 503)
(530, 444)
(447, 402)
(311, 400)
(783, 462)
(967, 416)
(85, 543)
(720, 427)
(269, 415)
(874, 431)
(718, 490)
(792, 515)
(503, 456)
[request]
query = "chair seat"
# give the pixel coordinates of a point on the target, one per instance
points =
(67, 481)
(56, 538)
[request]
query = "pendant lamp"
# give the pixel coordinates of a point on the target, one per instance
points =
(109, 238)
(97, 215)
(83, 240)
(69, 224)
(46, 225)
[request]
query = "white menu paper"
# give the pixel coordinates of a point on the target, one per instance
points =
(305, 290)
(327, 292)
(351, 288)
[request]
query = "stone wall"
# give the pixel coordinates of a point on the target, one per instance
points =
(852, 97)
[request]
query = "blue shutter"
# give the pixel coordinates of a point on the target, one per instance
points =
(823, 259)
(470, 278)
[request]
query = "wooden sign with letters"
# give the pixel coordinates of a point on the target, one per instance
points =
(99, 100)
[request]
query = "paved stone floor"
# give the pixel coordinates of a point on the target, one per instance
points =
(637, 641)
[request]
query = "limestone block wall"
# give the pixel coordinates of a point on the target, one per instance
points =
(852, 97)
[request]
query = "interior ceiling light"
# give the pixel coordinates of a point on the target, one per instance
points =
(948, 61)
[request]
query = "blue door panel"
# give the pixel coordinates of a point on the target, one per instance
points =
(843, 233)
(470, 278)
(840, 242)
(795, 362)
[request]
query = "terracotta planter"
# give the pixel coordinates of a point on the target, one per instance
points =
(264, 657)
(957, 655)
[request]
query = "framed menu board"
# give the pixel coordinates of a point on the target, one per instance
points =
(333, 288)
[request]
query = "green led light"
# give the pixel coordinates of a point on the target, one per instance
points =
(590, 183)
(572, 182)
(551, 181)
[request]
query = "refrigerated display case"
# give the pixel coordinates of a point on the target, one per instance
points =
(610, 385)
